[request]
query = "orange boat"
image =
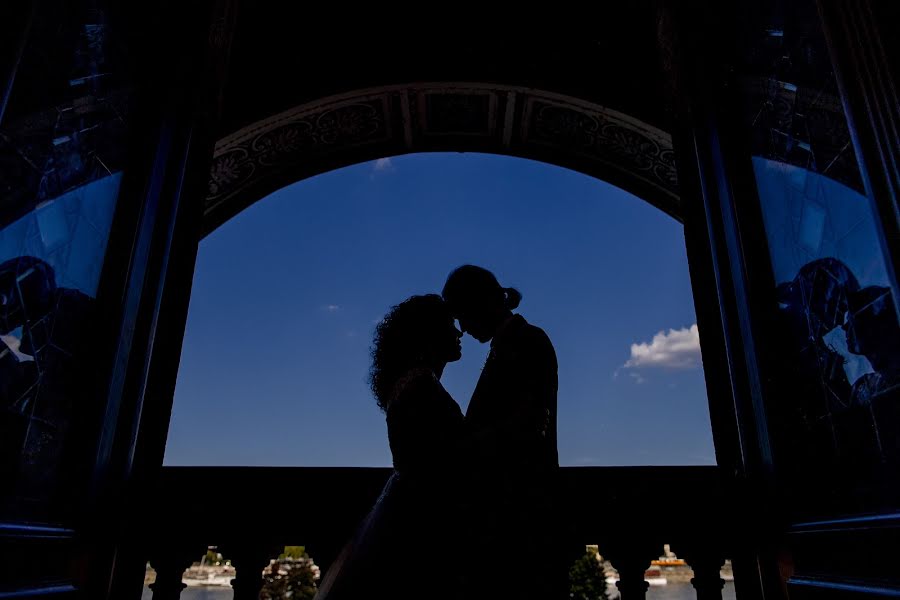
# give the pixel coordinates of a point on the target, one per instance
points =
(668, 562)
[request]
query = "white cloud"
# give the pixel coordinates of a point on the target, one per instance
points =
(383, 164)
(332, 308)
(638, 378)
(675, 349)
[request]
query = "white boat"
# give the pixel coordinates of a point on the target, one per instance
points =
(211, 580)
(654, 581)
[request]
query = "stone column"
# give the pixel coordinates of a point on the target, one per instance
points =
(170, 567)
(706, 561)
(248, 561)
(631, 568)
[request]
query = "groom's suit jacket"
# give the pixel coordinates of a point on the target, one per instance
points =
(514, 402)
(512, 417)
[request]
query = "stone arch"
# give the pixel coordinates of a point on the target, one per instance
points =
(367, 124)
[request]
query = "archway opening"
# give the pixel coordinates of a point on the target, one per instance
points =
(286, 296)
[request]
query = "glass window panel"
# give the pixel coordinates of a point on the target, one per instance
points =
(61, 156)
(833, 415)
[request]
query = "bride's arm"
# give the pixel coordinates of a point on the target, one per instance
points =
(420, 431)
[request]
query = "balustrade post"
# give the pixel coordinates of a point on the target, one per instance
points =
(707, 565)
(630, 551)
(170, 567)
(631, 584)
(249, 562)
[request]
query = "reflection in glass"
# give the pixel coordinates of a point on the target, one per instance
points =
(50, 263)
(62, 150)
(833, 416)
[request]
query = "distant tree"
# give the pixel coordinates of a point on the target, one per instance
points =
(586, 578)
(293, 575)
(293, 552)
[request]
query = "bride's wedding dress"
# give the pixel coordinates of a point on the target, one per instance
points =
(408, 545)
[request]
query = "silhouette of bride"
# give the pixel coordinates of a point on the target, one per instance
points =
(412, 529)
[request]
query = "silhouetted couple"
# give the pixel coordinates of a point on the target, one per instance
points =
(832, 419)
(469, 509)
(48, 415)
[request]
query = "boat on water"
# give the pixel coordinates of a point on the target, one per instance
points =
(210, 580)
(669, 562)
(204, 575)
(653, 576)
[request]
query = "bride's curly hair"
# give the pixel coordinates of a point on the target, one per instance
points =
(400, 341)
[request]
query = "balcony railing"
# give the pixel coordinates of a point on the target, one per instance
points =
(251, 513)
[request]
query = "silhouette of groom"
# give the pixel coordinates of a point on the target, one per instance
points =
(512, 416)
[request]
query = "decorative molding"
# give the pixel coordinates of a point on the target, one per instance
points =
(509, 119)
(457, 111)
(368, 124)
(598, 133)
(285, 139)
(406, 116)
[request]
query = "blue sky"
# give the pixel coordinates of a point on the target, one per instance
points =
(286, 296)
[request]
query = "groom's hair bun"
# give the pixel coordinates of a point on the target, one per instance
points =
(513, 298)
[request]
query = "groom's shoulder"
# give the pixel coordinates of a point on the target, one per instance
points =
(536, 337)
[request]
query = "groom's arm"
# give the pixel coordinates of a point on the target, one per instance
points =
(530, 419)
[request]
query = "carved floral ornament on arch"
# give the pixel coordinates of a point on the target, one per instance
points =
(636, 145)
(275, 146)
(521, 122)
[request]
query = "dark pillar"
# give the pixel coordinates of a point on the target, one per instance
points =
(169, 568)
(631, 582)
(707, 580)
(248, 561)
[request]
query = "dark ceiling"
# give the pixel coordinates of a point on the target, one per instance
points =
(282, 57)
